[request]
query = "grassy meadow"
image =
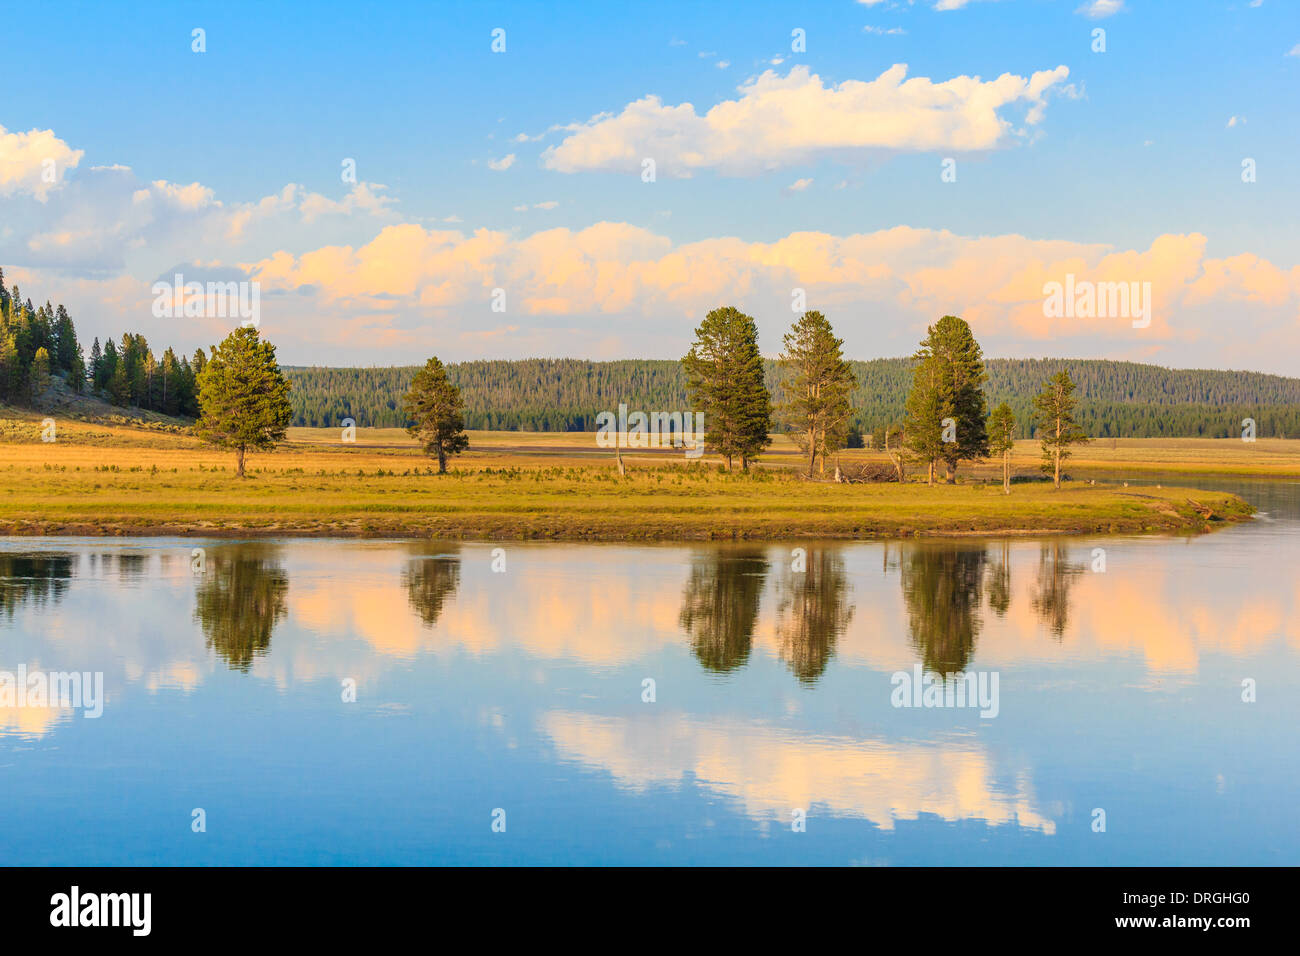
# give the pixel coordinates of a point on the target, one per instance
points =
(121, 478)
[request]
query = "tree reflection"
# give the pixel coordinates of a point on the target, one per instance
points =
(812, 613)
(999, 581)
(239, 600)
(942, 587)
(430, 582)
(33, 577)
(1052, 593)
(720, 605)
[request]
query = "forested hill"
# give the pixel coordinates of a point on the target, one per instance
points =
(1115, 398)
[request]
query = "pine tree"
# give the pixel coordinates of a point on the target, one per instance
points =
(39, 377)
(96, 359)
(724, 372)
(10, 368)
(1002, 432)
(243, 396)
(65, 339)
(928, 404)
(817, 409)
(437, 413)
(960, 367)
(1056, 425)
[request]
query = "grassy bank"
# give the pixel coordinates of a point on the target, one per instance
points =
(110, 479)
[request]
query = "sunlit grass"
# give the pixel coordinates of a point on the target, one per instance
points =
(110, 479)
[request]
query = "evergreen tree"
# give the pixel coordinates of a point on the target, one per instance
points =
(119, 386)
(820, 382)
(1056, 425)
(928, 404)
(243, 396)
(437, 412)
(724, 372)
(65, 340)
(1002, 438)
(11, 376)
(39, 377)
(960, 366)
(77, 372)
(96, 359)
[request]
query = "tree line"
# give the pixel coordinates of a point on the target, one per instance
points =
(38, 343)
(946, 419)
(1115, 399)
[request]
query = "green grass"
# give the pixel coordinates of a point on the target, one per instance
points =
(102, 478)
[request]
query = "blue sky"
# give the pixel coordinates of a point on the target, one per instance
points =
(1143, 141)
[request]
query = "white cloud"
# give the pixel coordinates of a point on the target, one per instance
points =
(782, 121)
(722, 64)
(34, 162)
(502, 164)
(1236, 120)
(1099, 9)
(799, 185)
(882, 31)
(1294, 51)
(614, 288)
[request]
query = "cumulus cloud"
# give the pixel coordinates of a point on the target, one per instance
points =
(571, 288)
(502, 164)
(34, 162)
(105, 216)
(787, 120)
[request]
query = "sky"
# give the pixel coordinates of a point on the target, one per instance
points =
(507, 180)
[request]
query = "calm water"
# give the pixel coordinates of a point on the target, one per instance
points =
(522, 690)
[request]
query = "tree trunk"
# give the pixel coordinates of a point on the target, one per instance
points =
(812, 452)
(239, 461)
(951, 474)
(618, 460)
(1006, 472)
(929, 478)
(1056, 478)
(442, 460)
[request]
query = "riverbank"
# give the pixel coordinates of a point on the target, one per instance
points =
(98, 479)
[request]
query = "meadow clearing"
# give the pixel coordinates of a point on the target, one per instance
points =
(123, 478)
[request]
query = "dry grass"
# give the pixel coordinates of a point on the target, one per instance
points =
(113, 479)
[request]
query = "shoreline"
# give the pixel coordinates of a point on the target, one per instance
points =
(1177, 513)
(116, 481)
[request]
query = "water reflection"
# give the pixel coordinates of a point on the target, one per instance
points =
(239, 600)
(812, 612)
(430, 582)
(720, 604)
(999, 579)
(1056, 575)
(33, 578)
(942, 588)
(525, 689)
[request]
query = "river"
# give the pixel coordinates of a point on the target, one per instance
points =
(394, 702)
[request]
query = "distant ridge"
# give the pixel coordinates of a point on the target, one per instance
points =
(1121, 399)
